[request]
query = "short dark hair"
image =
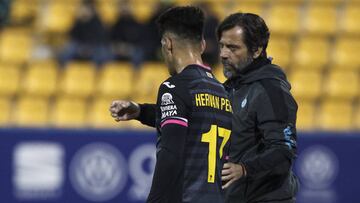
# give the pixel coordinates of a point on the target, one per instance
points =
(256, 32)
(186, 22)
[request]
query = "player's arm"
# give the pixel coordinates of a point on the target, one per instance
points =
(128, 110)
(169, 164)
(147, 114)
(170, 155)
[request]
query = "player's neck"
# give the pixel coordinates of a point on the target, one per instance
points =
(187, 59)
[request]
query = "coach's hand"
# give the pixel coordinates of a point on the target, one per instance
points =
(231, 172)
(124, 110)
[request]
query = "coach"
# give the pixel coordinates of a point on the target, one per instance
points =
(263, 139)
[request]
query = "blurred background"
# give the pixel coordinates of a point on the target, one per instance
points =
(62, 62)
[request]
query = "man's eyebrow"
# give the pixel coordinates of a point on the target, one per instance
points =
(230, 45)
(233, 45)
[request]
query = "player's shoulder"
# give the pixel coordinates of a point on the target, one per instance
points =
(175, 86)
(174, 83)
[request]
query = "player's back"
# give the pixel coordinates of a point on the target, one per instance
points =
(209, 122)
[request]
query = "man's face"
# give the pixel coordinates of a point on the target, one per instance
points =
(234, 54)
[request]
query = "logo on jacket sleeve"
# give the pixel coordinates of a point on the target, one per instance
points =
(166, 99)
(243, 103)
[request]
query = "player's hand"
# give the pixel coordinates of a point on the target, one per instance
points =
(124, 110)
(230, 173)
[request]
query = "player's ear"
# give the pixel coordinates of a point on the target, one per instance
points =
(168, 44)
(257, 53)
(203, 45)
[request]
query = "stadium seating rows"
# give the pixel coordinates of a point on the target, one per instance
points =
(315, 41)
(80, 95)
(321, 17)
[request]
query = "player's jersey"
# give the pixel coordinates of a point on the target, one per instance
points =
(196, 100)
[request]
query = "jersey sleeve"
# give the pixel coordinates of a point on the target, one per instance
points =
(172, 101)
(147, 114)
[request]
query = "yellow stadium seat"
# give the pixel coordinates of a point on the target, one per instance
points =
(219, 9)
(78, 79)
(31, 111)
(247, 7)
(195, 2)
(69, 112)
(59, 16)
(357, 117)
(285, 1)
(284, 19)
(5, 109)
(143, 10)
(306, 84)
(40, 78)
(23, 10)
(144, 98)
(116, 80)
(251, 1)
(136, 125)
(181, 2)
(99, 114)
(9, 79)
(349, 23)
(108, 10)
(305, 115)
(335, 115)
(280, 50)
(224, 8)
(150, 77)
(331, 2)
(346, 53)
(15, 45)
(311, 52)
(320, 19)
(342, 84)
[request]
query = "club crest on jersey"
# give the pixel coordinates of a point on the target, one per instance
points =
(169, 85)
(166, 99)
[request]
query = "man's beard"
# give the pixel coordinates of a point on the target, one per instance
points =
(231, 70)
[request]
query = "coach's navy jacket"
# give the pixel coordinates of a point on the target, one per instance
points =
(263, 135)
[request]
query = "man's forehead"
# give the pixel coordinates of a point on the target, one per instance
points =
(233, 35)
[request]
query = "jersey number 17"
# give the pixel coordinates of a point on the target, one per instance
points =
(211, 138)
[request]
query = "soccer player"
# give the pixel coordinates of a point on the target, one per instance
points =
(192, 115)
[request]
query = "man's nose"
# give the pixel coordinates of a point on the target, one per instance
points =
(224, 54)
